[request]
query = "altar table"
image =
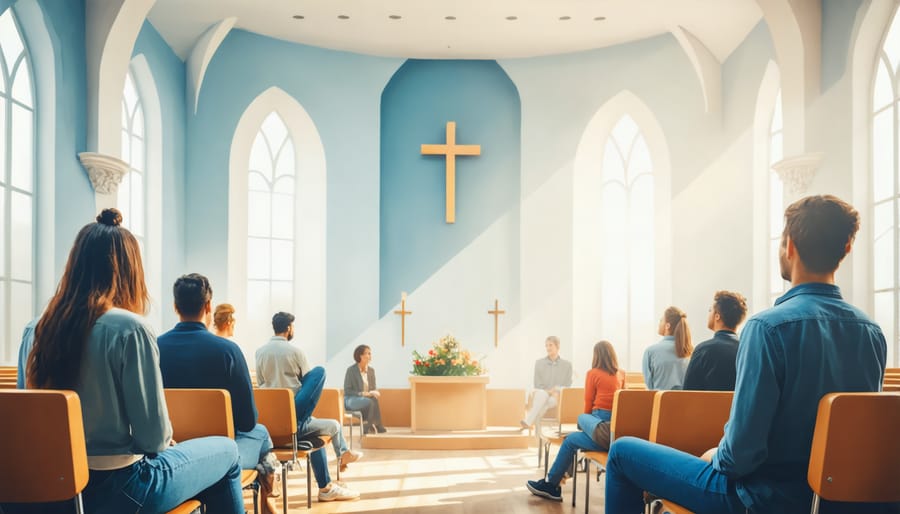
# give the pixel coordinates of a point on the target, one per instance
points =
(448, 403)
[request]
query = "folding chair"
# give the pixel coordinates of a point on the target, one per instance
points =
(207, 412)
(56, 469)
(846, 468)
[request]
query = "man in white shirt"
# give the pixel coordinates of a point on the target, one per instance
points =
(550, 374)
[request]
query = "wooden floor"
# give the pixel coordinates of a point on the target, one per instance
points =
(439, 482)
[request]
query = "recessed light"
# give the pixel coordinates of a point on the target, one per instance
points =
(299, 17)
(343, 17)
(512, 18)
(451, 18)
(565, 18)
(395, 16)
(600, 18)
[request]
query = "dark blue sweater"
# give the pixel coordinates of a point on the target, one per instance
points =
(190, 356)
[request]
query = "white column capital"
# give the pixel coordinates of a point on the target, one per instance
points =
(797, 172)
(105, 171)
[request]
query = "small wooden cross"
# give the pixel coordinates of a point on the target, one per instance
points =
(496, 313)
(403, 313)
(450, 149)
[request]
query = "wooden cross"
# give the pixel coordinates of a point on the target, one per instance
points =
(450, 149)
(403, 313)
(496, 313)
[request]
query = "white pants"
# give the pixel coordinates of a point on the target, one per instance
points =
(541, 402)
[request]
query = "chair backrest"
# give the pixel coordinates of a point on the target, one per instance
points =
(855, 448)
(690, 421)
(199, 413)
(632, 413)
(571, 404)
(278, 413)
(330, 405)
(42, 444)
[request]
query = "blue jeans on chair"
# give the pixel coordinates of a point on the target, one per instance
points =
(635, 466)
(308, 396)
(573, 442)
(207, 468)
(253, 445)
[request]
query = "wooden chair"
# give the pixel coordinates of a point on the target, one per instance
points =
(632, 413)
(278, 413)
(206, 412)
(690, 421)
(635, 380)
(571, 404)
(331, 406)
(855, 449)
(56, 469)
(550, 418)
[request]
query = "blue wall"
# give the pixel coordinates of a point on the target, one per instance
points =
(421, 97)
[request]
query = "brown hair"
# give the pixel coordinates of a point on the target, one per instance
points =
(821, 227)
(103, 271)
(357, 353)
(605, 358)
(224, 315)
(677, 320)
(732, 307)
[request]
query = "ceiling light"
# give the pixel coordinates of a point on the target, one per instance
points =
(565, 18)
(512, 18)
(451, 18)
(395, 16)
(343, 17)
(600, 18)
(299, 17)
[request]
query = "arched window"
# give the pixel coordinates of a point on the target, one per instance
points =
(17, 188)
(132, 195)
(885, 188)
(627, 226)
(270, 221)
(777, 285)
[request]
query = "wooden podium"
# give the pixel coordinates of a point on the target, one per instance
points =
(448, 403)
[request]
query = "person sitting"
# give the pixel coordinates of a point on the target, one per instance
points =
(282, 364)
(712, 366)
(600, 386)
(223, 320)
(665, 362)
(190, 356)
(550, 374)
(809, 344)
(93, 339)
(361, 392)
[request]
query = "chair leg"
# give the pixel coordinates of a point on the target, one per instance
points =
(255, 490)
(574, 476)
(815, 504)
(284, 495)
(308, 484)
(79, 506)
(338, 466)
(587, 485)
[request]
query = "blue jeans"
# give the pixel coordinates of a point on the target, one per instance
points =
(253, 445)
(370, 408)
(635, 466)
(577, 441)
(308, 396)
(207, 468)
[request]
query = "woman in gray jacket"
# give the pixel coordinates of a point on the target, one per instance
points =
(360, 391)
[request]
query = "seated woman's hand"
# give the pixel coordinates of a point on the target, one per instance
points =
(708, 454)
(375, 394)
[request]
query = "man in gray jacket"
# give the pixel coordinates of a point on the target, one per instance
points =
(550, 374)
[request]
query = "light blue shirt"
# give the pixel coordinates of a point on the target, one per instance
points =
(809, 344)
(120, 386)
(662, 369)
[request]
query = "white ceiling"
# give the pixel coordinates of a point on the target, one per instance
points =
(480, 29)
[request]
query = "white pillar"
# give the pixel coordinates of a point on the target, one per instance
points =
(105, 172)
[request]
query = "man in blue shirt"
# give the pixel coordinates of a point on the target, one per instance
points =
(809, 344)
(190, 356)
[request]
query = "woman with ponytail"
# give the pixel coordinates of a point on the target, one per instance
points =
(94, 340)
(666, 362)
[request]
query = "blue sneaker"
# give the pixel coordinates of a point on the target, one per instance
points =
(544, 489)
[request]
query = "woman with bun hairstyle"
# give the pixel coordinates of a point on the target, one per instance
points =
(93, 339)
(600, 386)
(666, 362)
(223, 320)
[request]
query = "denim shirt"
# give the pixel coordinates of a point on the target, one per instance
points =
(809, 344)
(662, 368)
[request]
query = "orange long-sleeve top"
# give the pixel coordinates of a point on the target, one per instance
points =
(599, 389)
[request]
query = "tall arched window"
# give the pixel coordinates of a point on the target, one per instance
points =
(132, 195)
(777, 285)
(886, 189)
(270, 221)
(17, 188)
(627, 227)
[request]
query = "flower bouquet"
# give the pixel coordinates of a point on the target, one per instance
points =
(446, 358)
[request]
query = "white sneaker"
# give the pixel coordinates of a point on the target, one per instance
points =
(336, 492)
(349, 456)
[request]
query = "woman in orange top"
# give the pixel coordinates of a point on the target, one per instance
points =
(600, 386)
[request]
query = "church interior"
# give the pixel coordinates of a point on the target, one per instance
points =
(396, 172)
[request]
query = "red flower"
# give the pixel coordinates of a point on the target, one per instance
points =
(417, 362)
(430, 352)
(427, 365)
